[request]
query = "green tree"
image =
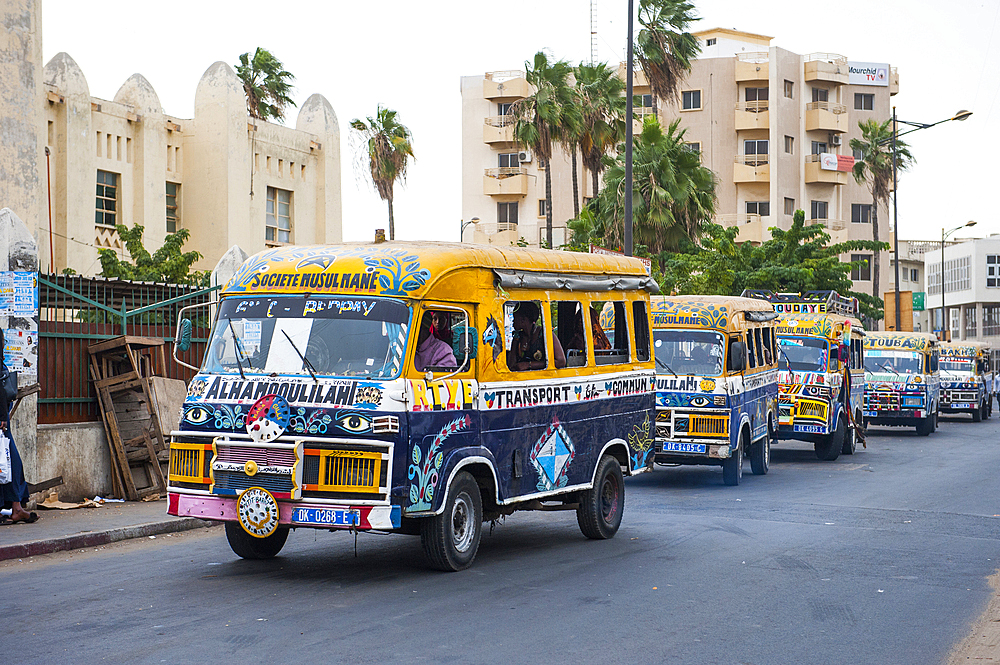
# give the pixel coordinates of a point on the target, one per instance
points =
(875, 169)
(602, 118)
(388, 148)
(664, 47)
(796, 260)
(549, 114)
(167, 264)
(673, 195)
(266, 84)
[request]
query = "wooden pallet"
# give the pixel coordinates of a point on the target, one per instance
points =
(121, 369)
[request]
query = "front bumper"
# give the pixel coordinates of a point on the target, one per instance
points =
(223, 509)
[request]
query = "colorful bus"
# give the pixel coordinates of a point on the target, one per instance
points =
(716, 382)
(902, 380)
(821, 378)
(421, 388)
(966, 379)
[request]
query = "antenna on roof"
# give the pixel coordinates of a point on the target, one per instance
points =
(593, 32)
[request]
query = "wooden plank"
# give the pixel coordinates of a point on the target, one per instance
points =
(119, 449)
(116, 478)
(116, 380)
(120, 341)
(157, 474)
(45, 485)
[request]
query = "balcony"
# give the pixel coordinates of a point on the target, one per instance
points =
(830, 224)
(639, 115)
(506, 181)
(829, 67)
(503, 234)
(751, 168)
(737, 219)
(751, 66)
(893, 81)
(498, 129)
(826, 116)
(506, 84)
(752, 115)
(817, 175)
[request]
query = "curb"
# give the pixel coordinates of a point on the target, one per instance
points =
(83, 540)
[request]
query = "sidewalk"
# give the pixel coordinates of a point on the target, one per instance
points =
(58, 530)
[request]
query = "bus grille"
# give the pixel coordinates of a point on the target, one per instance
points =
(710, 425)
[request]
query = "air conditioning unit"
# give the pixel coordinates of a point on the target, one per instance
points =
(835, 139)
(524, 156)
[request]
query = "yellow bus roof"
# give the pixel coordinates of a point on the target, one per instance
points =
(829, 326)
(410, 269)
(893, 339)
(712, 312)
(967, 349)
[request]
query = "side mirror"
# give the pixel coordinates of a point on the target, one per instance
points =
(737, 357)
(182, 340)
(464, 337)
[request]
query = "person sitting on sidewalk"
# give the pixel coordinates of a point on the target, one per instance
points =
(15, 493)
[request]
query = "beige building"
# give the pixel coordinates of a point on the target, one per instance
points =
(773, 125)
(228, 179)
(503, 185)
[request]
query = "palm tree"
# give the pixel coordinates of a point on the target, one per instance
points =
(266, 83)
(602, 109)
(547, 115)
(673, 194)
(664, 47)
(389, 148)
(875, 169)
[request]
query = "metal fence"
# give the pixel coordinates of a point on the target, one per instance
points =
(76, 311)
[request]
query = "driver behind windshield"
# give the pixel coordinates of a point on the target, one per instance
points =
(432, 351)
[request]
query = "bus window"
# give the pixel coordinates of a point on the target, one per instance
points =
(569, 332)
(436, 343)
(762, 358)
(618, 336)
(641, 322)
(751, 350)
(527, 337)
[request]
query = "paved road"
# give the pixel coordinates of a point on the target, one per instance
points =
(879, 558)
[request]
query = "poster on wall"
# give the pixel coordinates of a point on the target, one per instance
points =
(20, 352)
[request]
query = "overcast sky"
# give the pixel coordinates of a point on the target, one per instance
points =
(409, 56)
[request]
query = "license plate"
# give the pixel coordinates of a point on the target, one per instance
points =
(676, 447)
(870, 414)
(961, 405)
(325, 516)
(810, 429)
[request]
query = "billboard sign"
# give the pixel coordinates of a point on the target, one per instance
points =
(868, 73)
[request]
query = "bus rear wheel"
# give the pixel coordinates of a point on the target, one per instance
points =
(600, 512)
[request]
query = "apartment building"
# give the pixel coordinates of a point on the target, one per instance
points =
(89, 163)
(775, 127)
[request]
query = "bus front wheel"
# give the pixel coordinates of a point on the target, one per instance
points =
(451, 539)
(250, 547)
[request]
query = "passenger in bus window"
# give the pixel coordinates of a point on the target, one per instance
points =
(432, 351)
(601, 341)
(529, 341)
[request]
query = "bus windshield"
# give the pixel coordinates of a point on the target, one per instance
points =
(893, 362)
(293, 335)
(802, 354)
(958, 365)
(690, 352)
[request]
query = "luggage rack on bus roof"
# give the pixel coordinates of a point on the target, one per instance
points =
(819, 302)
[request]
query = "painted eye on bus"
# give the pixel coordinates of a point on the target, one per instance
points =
(197, 415)
(354, 422)
(699, 400)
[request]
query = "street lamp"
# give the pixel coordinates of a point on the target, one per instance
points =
(960, 115)
(461, 233)
(945, 326)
